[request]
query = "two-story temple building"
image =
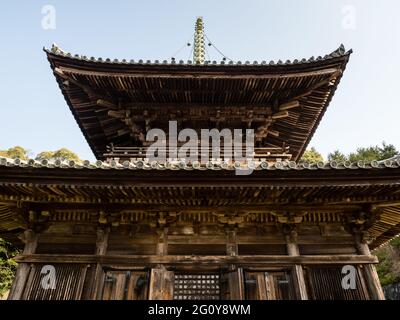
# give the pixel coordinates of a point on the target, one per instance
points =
(127, 228)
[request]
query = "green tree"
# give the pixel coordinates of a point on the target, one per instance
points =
(389, 262)
(65, 154)
(8, 265)
(44, 155)
(365, 154)
(374, 153)
(387, 151)
(61, 154)
(337, 156)
(311, 156)
(15, 152)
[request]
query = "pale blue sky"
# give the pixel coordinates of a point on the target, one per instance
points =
(364, 111)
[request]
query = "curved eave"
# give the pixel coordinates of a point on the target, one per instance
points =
(375, 183)
(98, 63)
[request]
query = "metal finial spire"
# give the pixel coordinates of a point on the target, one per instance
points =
(199, 49)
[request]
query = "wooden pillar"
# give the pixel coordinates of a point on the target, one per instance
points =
(101, 250)
(17, 289)
(161, 285)
(235, 274)
(162, 244)
(236, 284)
(374, 285)
(231, 244)
(298, 273)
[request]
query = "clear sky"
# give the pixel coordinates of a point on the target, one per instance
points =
(365, 110)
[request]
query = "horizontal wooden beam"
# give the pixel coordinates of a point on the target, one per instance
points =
(107, 104)
(253, 208)
(289, 105)
(199, 75)
(264, 260)
(280, 115)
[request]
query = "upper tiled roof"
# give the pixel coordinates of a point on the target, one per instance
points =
(55, 49)
(157, 92)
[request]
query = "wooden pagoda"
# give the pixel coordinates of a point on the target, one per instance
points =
(125, 228)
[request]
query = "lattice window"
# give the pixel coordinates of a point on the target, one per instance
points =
(197, 287)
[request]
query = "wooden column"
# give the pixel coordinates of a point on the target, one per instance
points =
(374, 285)
(161, 285)
(101, 250)
(162, 244)
(231, 244)
(298, 273)
(235, 274)
(31, 239)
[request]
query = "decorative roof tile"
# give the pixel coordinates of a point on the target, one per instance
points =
(56, 50)
(211, 165)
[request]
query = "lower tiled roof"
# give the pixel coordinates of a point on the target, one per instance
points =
(211, 165)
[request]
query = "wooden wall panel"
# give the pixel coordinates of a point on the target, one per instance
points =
(69, 281)
(325, 283)
(327, 249)
(196, 249)
(262, 249)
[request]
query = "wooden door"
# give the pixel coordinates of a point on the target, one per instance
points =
(231, 284)
(269, 286)
(161, 285)
(125, 285)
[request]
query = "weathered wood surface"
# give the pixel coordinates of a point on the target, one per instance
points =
(17, 289)
(200, 260)
(101, 250)
(68, 282)
(161, 284)
(236, 284)
(297, 271)
(371, 275)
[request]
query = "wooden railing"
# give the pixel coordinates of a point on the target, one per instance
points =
(258, 153)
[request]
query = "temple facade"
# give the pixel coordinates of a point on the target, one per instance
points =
(125, 228)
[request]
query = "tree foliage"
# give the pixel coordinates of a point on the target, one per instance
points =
(312, 156)
(371, 153)
(22, 153)
(8, 265)
(389, 262)
(15, 152)
(61, 154)
(337, 156)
